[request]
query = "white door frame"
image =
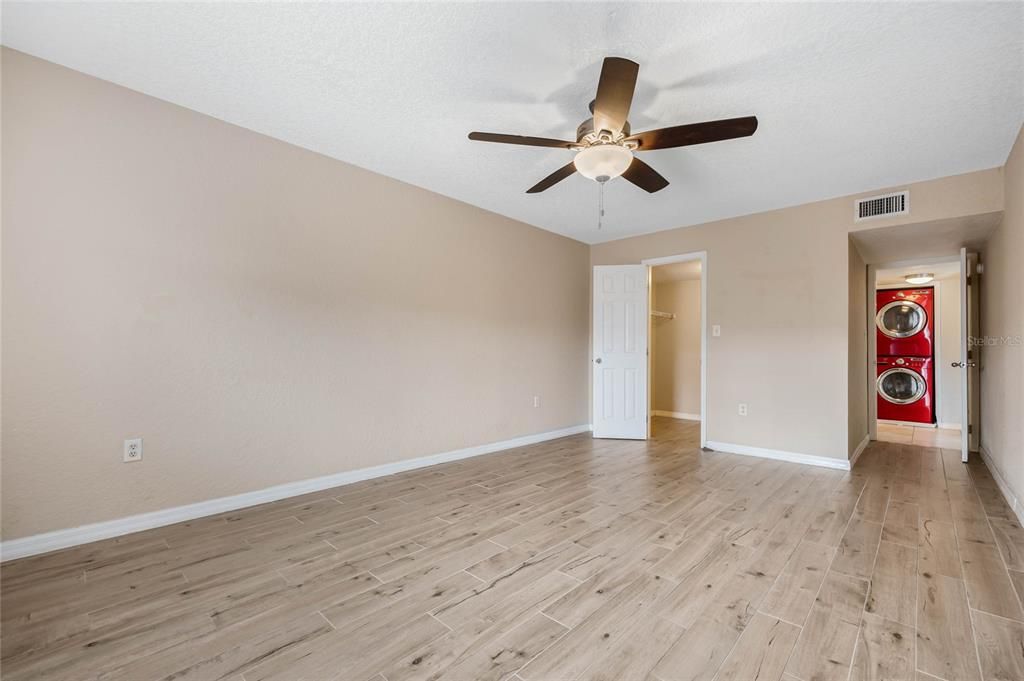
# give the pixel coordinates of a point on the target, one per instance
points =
(702, 256)
(872, 374)
(970, 359)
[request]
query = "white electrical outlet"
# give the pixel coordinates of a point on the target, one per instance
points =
(536, 400)
(743, 408)
(133, 450)
(716, 330)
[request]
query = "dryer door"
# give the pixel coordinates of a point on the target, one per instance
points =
(901, 319)
(900, 385)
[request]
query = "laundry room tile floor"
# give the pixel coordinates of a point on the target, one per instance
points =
(947, 438)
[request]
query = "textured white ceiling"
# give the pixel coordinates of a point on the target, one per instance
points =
(941, 270)
(935, 239)
(850, 97)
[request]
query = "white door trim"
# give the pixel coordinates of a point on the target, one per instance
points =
(965, 330)
(970, 365)
(872, 377)
(937, 353)
(702, 256)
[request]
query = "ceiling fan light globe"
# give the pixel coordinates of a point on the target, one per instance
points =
(602, 162)
(918, 279)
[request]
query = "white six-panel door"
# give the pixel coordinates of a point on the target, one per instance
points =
(620, 351)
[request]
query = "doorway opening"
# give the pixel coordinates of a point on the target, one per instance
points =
(676, 346)
(626, 318)
(678, 360)
(918, 391)
(918, 279)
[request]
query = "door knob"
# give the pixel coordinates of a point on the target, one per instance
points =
(597, 361)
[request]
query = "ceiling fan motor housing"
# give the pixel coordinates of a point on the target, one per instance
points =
(585, 133)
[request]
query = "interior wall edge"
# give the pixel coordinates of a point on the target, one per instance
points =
(23, 547)
(859, 365)
(860, 449)
(1015, 501)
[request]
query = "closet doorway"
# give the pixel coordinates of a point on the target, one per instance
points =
(678, 346)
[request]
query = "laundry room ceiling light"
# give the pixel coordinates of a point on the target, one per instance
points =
(920, 278)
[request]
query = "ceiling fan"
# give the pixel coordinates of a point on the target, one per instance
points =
(605, 145)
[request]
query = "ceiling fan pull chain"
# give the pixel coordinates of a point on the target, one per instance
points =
(600, 204)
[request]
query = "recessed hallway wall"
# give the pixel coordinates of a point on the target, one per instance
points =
(675, 371)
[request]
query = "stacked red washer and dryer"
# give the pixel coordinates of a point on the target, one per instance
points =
(906, 353)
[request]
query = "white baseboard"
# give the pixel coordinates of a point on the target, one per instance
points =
(678, 415)
(859, 450)
(61, 539)
(912, 424)
(1015, 502)
(779, 455)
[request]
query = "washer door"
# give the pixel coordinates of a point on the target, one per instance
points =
(901, 319)
(901, 386)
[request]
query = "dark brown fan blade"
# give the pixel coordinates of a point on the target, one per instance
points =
(519, 139)
(695, 133)
(614, 94)
(644, 176)
(552, 179)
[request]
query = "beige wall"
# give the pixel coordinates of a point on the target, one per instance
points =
(261, 314)
(948, 351)
(676, 345)
(857, 356)
(1002, 316)
(784, 312)
(257, 313)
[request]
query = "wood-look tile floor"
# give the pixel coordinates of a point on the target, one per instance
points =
(571, 559)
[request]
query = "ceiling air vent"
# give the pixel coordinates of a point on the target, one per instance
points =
(897, 203)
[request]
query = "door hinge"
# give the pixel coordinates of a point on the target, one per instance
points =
(970, 428)
(969, 280)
